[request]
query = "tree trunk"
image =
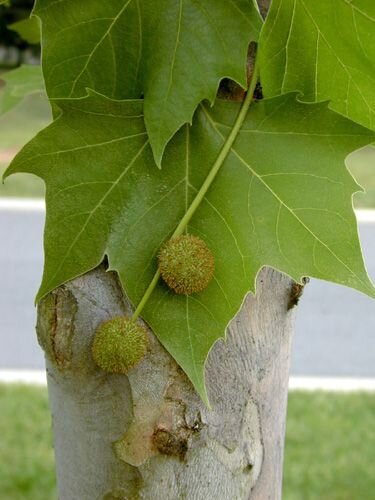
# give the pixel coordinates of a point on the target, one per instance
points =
(147, 435)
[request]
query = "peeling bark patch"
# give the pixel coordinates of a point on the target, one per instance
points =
(247, 456)
(46, 324)
(247, 469)
(120, 495)
(55, 327)
(171, 444)
(66, 308)
(115, 495)
(53, 331)
(296, 292)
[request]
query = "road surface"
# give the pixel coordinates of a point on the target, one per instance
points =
(335, 329)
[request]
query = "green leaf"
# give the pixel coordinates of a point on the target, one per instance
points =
(28, 29)
(283, 198)
(19, 83)
(325, 49)
(172, 52)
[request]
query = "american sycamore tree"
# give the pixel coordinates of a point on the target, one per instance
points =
(195, 175)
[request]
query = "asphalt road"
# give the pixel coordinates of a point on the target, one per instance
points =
(335, 330)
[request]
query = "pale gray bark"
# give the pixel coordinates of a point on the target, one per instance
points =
(148, 435)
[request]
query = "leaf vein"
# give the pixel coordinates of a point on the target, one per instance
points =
(97, 45)
(93, 211)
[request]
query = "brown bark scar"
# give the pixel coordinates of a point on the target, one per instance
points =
(56, 333)
(296, 292)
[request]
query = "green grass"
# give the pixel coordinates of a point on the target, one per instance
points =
(26, 455)
(330, 446)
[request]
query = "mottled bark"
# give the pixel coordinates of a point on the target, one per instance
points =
(147, 435)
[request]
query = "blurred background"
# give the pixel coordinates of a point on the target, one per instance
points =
(330, 447)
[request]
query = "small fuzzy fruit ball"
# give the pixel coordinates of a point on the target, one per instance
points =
(119, 344)
(186, 264)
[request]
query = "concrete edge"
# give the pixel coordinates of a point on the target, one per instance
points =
(335, 384)
(22, 204)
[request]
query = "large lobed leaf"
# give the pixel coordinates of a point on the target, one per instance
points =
(172, 52)
(283, 198)
(325, 49)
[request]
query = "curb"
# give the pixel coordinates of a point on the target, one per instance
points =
(296, 383)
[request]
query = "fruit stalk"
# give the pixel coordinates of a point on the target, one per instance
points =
(208, 181)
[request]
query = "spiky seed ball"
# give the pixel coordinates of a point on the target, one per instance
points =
(119, 344)
(186, 264)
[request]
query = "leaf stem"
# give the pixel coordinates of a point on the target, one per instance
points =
(146, 295)
(220, 159)
(207, 183)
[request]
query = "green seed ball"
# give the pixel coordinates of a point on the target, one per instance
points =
(186, 264)
(119, 344)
